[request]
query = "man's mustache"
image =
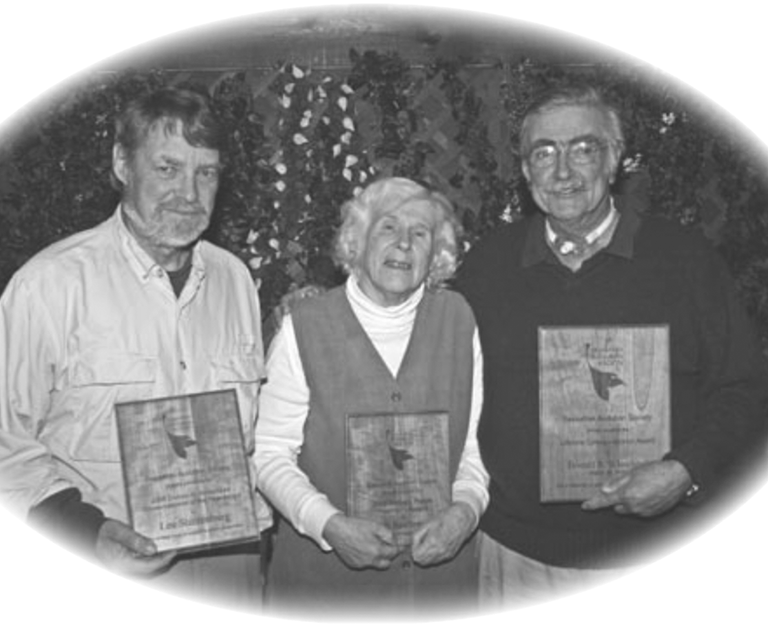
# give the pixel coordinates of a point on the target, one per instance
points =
(183, 207)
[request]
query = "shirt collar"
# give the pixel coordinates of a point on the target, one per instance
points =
(139, 260)
(536, 250)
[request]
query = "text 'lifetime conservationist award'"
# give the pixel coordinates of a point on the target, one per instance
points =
(185, 469)
(604, 405)
(397, 469)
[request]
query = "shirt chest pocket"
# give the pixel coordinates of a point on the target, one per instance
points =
(97, 382)
(237, 368)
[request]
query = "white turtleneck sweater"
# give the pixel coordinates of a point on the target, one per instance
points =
(284, 405)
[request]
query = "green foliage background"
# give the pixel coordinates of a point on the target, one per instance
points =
(289, 167)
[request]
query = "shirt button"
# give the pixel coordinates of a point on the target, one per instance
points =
(183, 365)
(396, 396)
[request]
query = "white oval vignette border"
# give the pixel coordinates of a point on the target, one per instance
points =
(714, 579)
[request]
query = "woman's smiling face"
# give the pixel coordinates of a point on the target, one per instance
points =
(398, 252)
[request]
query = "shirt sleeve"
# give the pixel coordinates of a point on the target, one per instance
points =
(471, 483)
(28, 346)
(283, 409)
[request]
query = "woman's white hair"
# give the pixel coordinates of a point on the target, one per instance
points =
(357, 213)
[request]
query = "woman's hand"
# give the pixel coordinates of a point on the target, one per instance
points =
(440, 539)
(359, 543)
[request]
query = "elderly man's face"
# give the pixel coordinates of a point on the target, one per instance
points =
(572, 188)
(169, 190)
(398, 252)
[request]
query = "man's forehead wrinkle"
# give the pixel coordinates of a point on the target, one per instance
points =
(180, 153)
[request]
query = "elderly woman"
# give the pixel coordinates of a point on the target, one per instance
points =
(389, 341)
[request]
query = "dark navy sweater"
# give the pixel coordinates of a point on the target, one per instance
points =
(653, 272)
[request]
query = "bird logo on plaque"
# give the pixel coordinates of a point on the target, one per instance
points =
(398, 454)
(603, 380)
(180, 442)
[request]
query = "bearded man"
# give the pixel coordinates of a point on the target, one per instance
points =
(138, 307)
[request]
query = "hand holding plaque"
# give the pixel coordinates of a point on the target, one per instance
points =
(647, 490)
(126, 552)
(441, 538)
(361, 543)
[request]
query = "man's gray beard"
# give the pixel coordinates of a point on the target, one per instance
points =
(180, 232)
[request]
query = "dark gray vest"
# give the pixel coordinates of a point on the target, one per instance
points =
(346, 375)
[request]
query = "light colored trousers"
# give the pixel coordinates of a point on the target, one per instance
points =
(509, 579)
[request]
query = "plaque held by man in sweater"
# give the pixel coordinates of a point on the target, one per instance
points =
(604, 405)
(397, 469)
(186, 475)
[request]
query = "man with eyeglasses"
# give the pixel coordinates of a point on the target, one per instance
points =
(584, 263)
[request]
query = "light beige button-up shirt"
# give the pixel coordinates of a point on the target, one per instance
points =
(92, 321)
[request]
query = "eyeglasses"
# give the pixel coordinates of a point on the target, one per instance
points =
(578, 153)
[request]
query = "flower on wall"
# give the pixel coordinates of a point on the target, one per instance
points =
(312, 160)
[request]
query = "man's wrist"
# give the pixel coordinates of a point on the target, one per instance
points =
(693, 485)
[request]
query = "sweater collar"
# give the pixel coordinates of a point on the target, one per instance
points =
(536, 250)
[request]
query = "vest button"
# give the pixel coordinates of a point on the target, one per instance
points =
(396, 396)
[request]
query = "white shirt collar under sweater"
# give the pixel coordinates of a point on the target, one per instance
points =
(389, 328)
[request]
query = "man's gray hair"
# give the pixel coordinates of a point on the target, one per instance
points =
(178, 110)
(573, 94)
(391, 192)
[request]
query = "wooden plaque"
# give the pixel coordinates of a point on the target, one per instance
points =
(397, 469)
(186, 474)
(604, 405)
